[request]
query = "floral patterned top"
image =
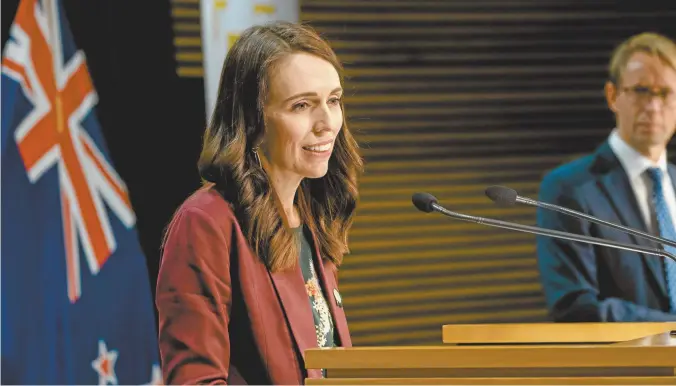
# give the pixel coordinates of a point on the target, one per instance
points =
(320, 308)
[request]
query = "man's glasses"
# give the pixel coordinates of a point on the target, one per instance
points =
(644, 94)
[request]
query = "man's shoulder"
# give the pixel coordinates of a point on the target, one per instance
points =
(575, 172)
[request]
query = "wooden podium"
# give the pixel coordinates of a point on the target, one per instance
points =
(513, 354)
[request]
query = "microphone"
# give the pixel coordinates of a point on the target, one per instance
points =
(427, 203)
(505, 196)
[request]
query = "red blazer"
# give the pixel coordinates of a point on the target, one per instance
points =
(223, 317)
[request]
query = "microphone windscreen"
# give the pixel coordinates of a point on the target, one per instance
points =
(501, 195)
(423, 201)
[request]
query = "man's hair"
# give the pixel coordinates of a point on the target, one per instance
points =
(651, 43)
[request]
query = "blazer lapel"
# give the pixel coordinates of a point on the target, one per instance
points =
(333, 297)
(617, 188)
(292, 294)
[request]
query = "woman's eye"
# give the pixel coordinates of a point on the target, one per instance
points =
(300, 106)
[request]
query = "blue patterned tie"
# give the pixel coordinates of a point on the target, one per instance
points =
(667, 231)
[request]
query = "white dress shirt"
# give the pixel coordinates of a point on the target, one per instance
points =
(635, 165)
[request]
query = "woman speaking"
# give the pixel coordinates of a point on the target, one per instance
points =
(248, 278)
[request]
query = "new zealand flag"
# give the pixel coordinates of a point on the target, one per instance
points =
(76, 299)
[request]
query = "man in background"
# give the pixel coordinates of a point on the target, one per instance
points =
(627, 181)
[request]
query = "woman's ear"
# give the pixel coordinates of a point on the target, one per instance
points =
(263, 142)
(263, 150)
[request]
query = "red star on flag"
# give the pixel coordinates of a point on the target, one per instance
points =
(104, 364)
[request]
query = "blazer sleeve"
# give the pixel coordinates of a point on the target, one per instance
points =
(193, 300)
(568, 269)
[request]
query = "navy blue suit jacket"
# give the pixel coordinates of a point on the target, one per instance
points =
(586, 283)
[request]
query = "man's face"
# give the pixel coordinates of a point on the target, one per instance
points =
(644, 103)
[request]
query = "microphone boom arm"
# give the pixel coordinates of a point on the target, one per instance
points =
(552, 233)
(570, 212)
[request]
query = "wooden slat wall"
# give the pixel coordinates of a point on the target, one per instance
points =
(187, 36)
(449, 97)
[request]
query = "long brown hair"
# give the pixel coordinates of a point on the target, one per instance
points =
(326, 204)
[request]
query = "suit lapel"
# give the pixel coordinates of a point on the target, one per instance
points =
(672, 175)
(290, 288)
(332, 295)
(617, 188)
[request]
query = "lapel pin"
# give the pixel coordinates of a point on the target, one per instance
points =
(336, 295)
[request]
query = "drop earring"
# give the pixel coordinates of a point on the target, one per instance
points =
(258, 159)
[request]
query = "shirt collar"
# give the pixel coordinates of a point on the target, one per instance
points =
(634, 163)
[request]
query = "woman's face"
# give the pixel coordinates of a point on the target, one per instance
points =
(303, 116)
